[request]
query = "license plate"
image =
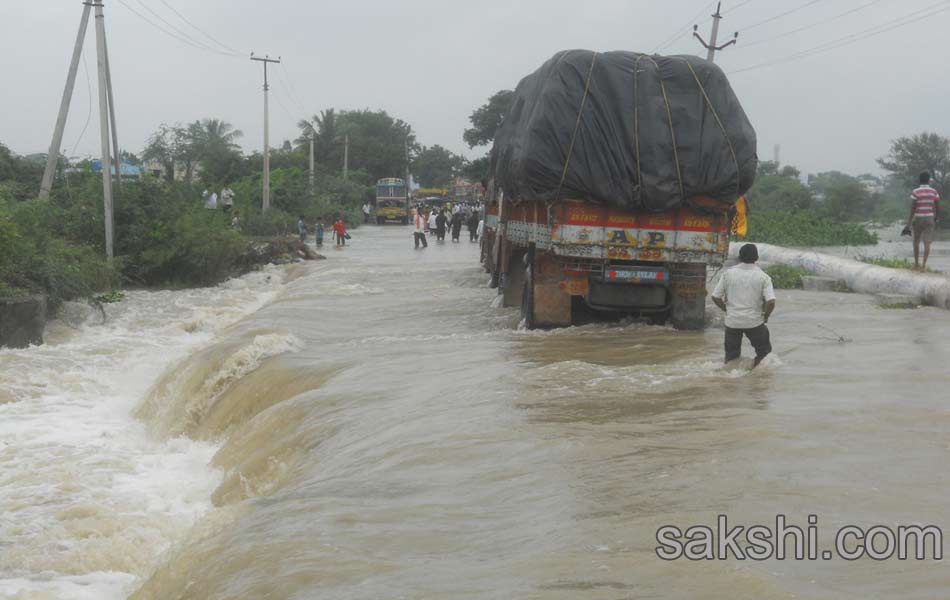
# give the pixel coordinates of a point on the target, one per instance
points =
(635, 275)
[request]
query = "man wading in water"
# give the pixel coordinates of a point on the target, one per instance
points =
(745, 292)
(924, 204)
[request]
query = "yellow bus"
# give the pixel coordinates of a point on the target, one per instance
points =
(392, 202)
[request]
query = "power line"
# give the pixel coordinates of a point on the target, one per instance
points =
(908, 19)
(85, 68)
(202, 31)
(288, 86)
(171, 34)
(779, 16)
(736, 7)
(683, 30)
(176, 29)
(815, 24)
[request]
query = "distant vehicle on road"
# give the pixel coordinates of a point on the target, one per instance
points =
(392, 201)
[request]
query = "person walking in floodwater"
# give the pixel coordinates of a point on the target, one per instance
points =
(302, 229)
(440, 226)
(318, 232)
(746, 294)
(456, 226)
(473, 226)
(419, 235)
(339, 229)
(924, 206)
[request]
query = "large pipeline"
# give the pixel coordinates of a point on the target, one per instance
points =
(932, 289)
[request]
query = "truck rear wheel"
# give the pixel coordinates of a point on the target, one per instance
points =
(688, 286)
(527, 296)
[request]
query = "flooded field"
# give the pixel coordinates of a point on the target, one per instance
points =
(369, 426)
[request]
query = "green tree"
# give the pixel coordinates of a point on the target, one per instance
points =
(487, 118)
(775, 192)
(909, 156)
(326, 136)
(378, 143)
(437, 167)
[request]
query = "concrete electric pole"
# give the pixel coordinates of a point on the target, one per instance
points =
(346, 156)
(266, 185)
(52, 158)
(103, 63)
(711, 47)
(312, 135)
(106, 117)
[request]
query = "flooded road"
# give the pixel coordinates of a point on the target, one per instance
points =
(369, 426)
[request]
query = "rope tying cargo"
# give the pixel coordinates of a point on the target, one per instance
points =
(722, 128)
(669, 116)
(577, 125)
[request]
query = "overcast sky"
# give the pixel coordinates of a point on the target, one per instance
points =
(431, 62)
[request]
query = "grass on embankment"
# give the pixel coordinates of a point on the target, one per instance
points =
(892, 263)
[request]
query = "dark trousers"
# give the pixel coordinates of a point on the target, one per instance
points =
(420, 238)
(340, 240)
(758, 336)
(472, 235)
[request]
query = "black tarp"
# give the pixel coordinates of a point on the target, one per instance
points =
(625, 106)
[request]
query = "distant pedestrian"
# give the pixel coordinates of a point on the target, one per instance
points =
(209, 200)
(440, 223)
(432, 221)
(318, 232)
(227, 199)
(473, 226)
(924, 208)
(746, 294)
(302, 229)
(339, 229)
(419, 235)
(456, 226)
(367, 209)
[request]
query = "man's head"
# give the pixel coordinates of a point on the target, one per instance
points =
(924, 178)
(748, 253)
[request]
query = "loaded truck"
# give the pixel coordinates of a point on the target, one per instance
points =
(613, 182)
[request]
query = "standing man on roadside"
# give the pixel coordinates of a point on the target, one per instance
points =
(746, 294)
(367, 209)
(924, 206)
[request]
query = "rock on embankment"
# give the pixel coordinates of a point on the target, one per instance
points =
(22, 321)
(278, 251)
(931, 289)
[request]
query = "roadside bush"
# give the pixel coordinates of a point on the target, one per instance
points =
(804, 228)
(37, 260)
(785, 277)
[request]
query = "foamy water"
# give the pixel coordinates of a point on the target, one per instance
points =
(89, 500)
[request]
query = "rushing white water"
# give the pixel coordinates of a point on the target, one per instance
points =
(88, 499)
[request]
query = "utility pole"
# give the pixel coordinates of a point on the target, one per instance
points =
(52, 158)
(312, 135)
(266, 184)
(711, 47)
(115, 136)
(346, 155)
(103, 64)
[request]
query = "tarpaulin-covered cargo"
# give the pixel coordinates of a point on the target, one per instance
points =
(625, 129)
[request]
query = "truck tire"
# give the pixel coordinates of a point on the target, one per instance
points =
(405, 220)
(527, 295)
(380, 220)
(688, 286)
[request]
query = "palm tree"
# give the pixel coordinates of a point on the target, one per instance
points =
(215, 134)
(323, 128)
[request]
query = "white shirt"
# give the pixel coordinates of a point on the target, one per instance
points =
(227, 197)
(432, 221)
(745, 288)
(366, 209)
(211, 201)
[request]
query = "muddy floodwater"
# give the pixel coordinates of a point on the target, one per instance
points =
(371, 426)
